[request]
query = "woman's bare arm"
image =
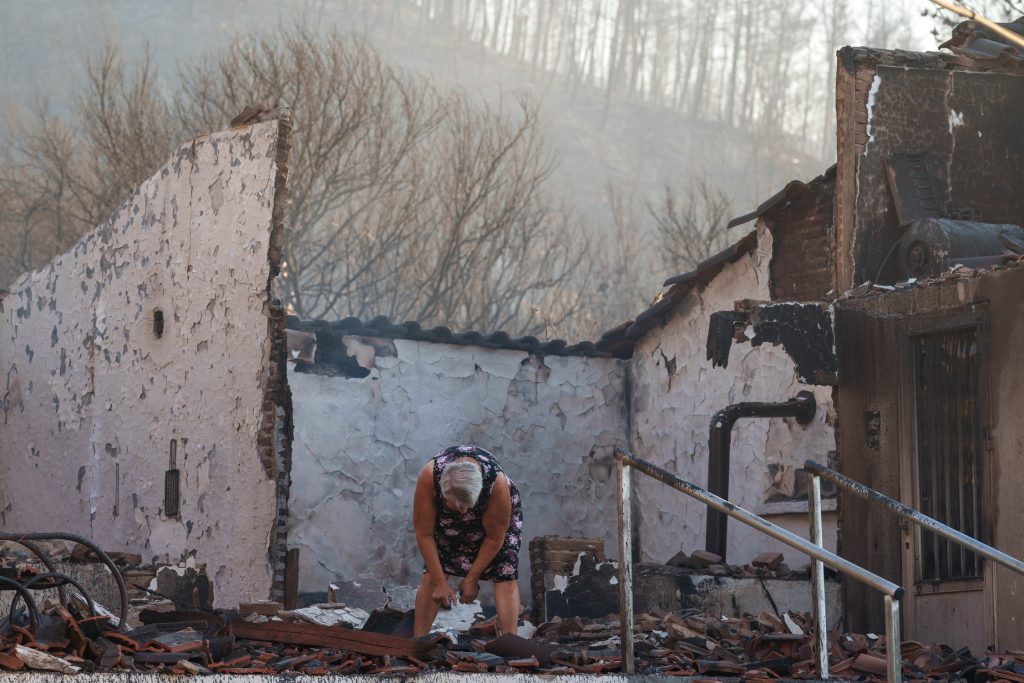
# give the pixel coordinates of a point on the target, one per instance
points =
(495, 521)
(424, 516)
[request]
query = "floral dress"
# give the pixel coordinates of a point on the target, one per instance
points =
(459, 536)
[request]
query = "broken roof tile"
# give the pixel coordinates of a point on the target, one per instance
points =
(382, 327)
(620, 340)
(793, 191)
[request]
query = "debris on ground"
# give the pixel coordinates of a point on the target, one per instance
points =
(260, 639)
(73, 633)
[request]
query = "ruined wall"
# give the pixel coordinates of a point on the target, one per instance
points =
(965, 119)
(675, 391)
(801, 267)
(868, 441)
(360, 442)
(155, 329)
(873, 336)
(1002, 291)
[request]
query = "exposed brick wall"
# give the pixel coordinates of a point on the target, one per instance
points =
(276, 432)
(281, 445)
(801, 266)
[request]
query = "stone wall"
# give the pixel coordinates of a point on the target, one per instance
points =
(552, 422)
(675, 392)
(154, 330)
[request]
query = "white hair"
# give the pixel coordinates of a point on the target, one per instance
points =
(461, 483)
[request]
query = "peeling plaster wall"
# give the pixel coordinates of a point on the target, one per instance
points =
(359, 444)
(675, 392)
(92, 398)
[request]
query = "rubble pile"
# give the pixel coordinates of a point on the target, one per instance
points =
(764, 566)
(172, 629)
(263, 638)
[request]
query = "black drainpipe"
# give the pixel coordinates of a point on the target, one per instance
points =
(802, 408)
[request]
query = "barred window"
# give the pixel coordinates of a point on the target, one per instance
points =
(949, 449)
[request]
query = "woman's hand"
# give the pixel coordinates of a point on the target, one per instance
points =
(469, 588)
(443, 595)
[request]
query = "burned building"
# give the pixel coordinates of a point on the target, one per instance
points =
(921, 234)
(929, 198)
(868, 322)
(374, 400)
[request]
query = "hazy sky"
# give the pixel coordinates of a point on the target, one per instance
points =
(43, 44)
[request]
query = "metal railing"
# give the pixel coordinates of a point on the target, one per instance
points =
(892, 592)
(816, 471)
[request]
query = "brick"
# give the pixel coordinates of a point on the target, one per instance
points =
(680, 559)
(265, 607)
(768, 560)
(704, 558)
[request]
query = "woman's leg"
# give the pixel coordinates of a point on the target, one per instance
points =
(506, 602)
(426, 608)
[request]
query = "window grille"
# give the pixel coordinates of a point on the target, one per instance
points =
(949, 449)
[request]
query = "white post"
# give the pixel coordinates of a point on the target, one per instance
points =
(625, 567)
(893, 656)
(817, 576)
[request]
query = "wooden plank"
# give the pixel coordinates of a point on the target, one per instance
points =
(314, 635)
(291, 579)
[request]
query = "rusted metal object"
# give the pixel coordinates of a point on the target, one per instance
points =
(891, 591)
(51, 580)
(933, 245)
(58, 580)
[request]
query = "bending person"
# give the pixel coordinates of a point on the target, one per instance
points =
(468, 519)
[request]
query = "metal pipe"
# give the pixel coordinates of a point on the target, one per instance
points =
(893, 649)
(63, 578)
(122, 589)
(48, 563)
(792, 540)
(916, 517)
(624, 509)
(817, 576)
(719, 444)
(33, 611)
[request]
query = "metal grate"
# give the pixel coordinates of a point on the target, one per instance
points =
(949, 447)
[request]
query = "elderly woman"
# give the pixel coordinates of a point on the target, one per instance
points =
(469, 521)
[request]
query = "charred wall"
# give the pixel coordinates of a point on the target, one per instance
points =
(154, 335)
(867, 441)
(964, 119)
(875, 447)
